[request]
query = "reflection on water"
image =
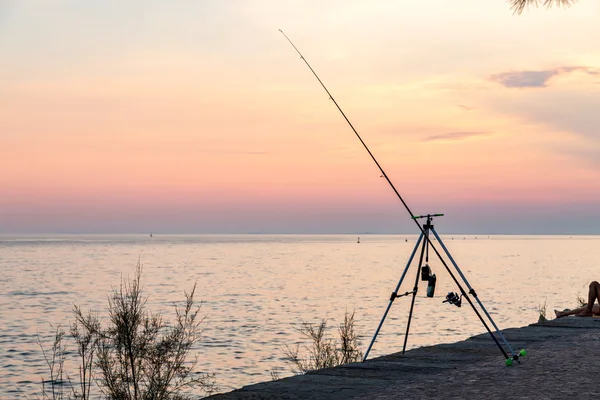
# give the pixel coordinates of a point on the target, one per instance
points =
(256, 288)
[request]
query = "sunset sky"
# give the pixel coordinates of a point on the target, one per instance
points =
(199, 117)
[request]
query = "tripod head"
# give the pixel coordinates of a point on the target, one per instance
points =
(428, 216)
(426, 274)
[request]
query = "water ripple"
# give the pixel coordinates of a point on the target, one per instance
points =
(256, 290)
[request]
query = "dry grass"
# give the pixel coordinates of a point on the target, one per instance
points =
(581, 302)
(136, 355)
(324, 351)
(542, 309)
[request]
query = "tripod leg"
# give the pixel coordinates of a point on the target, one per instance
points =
(412, 302)
(393, 297)
(468, 298)
(471, 291)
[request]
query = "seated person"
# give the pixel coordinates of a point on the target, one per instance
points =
(589, 309)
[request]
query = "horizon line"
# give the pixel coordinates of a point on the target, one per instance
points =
(301, 233)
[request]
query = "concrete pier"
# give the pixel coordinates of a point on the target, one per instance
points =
(563, 360)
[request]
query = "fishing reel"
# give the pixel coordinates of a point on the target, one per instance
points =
(453, 298)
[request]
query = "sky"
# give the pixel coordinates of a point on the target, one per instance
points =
(199, 116)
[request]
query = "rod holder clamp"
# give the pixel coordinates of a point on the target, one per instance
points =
(395, 295)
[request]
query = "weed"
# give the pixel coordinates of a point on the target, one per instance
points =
(324, 351)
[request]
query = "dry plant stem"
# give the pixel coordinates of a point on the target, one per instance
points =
(138, 355)
(87, 341)
(149, 355)
(275, 376)
(350, 340)
(55, 362)
(542, 312)
(325, 352)
(126, 312)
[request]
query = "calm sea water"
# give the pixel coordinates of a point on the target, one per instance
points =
(257, 288)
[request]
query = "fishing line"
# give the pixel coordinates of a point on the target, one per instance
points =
(413, 217)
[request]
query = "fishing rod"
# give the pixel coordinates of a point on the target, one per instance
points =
(414, 218)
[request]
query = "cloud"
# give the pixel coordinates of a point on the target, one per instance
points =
(537, 79)
(454, 136)
(571, 115)
(466, 108)
(574, 111)
(589, 155)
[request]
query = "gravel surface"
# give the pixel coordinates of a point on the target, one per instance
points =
(563, 361)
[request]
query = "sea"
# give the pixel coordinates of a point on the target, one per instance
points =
(256, 290)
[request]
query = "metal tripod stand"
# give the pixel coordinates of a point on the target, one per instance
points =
(423, 271)
(426, 244)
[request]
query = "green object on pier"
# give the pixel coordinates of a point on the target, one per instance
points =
(509, 362)
(522, 353)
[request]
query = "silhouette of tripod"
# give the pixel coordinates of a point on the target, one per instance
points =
(424, 271)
